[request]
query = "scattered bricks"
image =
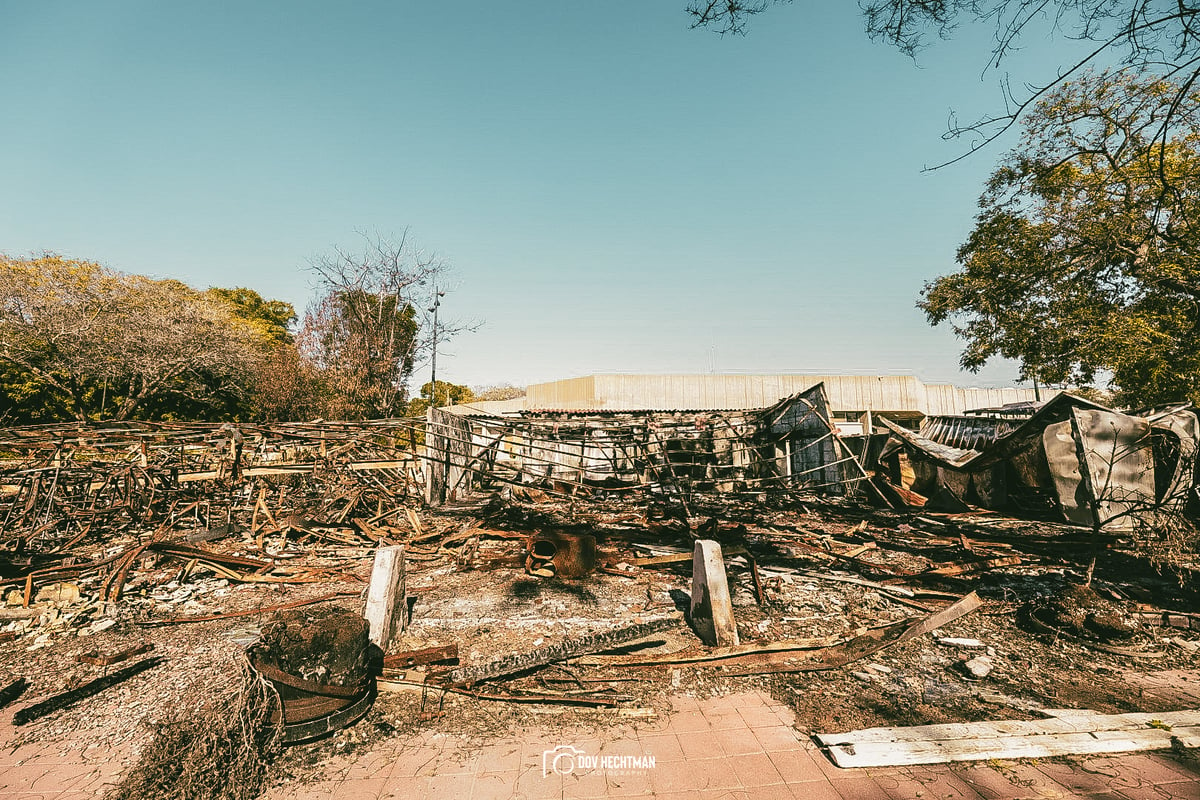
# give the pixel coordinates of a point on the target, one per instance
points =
(712, 607)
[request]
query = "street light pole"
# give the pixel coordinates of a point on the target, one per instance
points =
(437, 302)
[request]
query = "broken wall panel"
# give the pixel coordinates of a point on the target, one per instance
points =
(808, 444)
(449, 453)
(1092, 465)
(1176, 435)
(790, 445)
(1063, 458)
(1116, 451)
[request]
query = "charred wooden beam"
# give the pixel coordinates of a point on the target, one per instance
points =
(69, 698)
(570, 648)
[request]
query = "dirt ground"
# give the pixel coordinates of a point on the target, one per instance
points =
(826, 569)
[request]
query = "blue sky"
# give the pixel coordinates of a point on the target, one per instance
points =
(615, 191)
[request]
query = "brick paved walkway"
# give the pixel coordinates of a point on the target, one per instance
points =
(737, 747)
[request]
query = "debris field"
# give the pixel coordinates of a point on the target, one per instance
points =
(143, 565)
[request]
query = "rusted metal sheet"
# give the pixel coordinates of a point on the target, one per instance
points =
(310, 709)
(1062, 455)
(953, 457)
(565, 555)
(1100, 465)
(967, 432)
(1117, 451)
(415, 658)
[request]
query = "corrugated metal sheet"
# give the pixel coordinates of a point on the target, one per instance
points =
(487, 408)
(572, 393)
(969, 432)
(894, 394)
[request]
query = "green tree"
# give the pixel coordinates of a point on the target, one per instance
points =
(25, 399)
(1085, 258)
(504, 391)
(447, 394)
(98, 343)
(272, 319)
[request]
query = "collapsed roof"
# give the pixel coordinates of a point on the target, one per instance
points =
(1090, 464)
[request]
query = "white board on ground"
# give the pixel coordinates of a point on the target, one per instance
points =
(1068, 733)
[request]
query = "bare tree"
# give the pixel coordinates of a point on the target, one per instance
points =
(363, 333)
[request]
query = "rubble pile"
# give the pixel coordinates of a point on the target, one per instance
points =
(192, 552)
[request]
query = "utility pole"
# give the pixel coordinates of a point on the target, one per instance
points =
(437, 302)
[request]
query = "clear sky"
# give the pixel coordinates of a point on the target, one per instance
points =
(615, 191)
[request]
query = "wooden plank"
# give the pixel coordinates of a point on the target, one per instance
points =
(886, 754)
(673, 558)
(386, 609)
(1063, 721)
(1139, 719)
(1070, 731)
(290, 469)
(952, 731)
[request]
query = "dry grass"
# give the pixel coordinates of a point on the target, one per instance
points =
(219, 751)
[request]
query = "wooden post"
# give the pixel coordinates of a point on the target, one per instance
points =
(712, 607)
(387, 602)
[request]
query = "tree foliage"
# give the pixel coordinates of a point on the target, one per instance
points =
(504, 391)
(1085, 258)
(271, 319)
(447, 394)
(1158, 40)
(81, 340)
(361, 336)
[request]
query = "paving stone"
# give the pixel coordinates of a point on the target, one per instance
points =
(755, 770)
(778, 738)
(1076, 779)
(797, 766)
(447, 787)
(364, 789)
(711, 749)
(991, 782)
(629, 784)
(860, 787)
(814, 790)
(737, 741)
(675, 776)
(664, 747)
(705, 746)
(715, 773)
(918, 782)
